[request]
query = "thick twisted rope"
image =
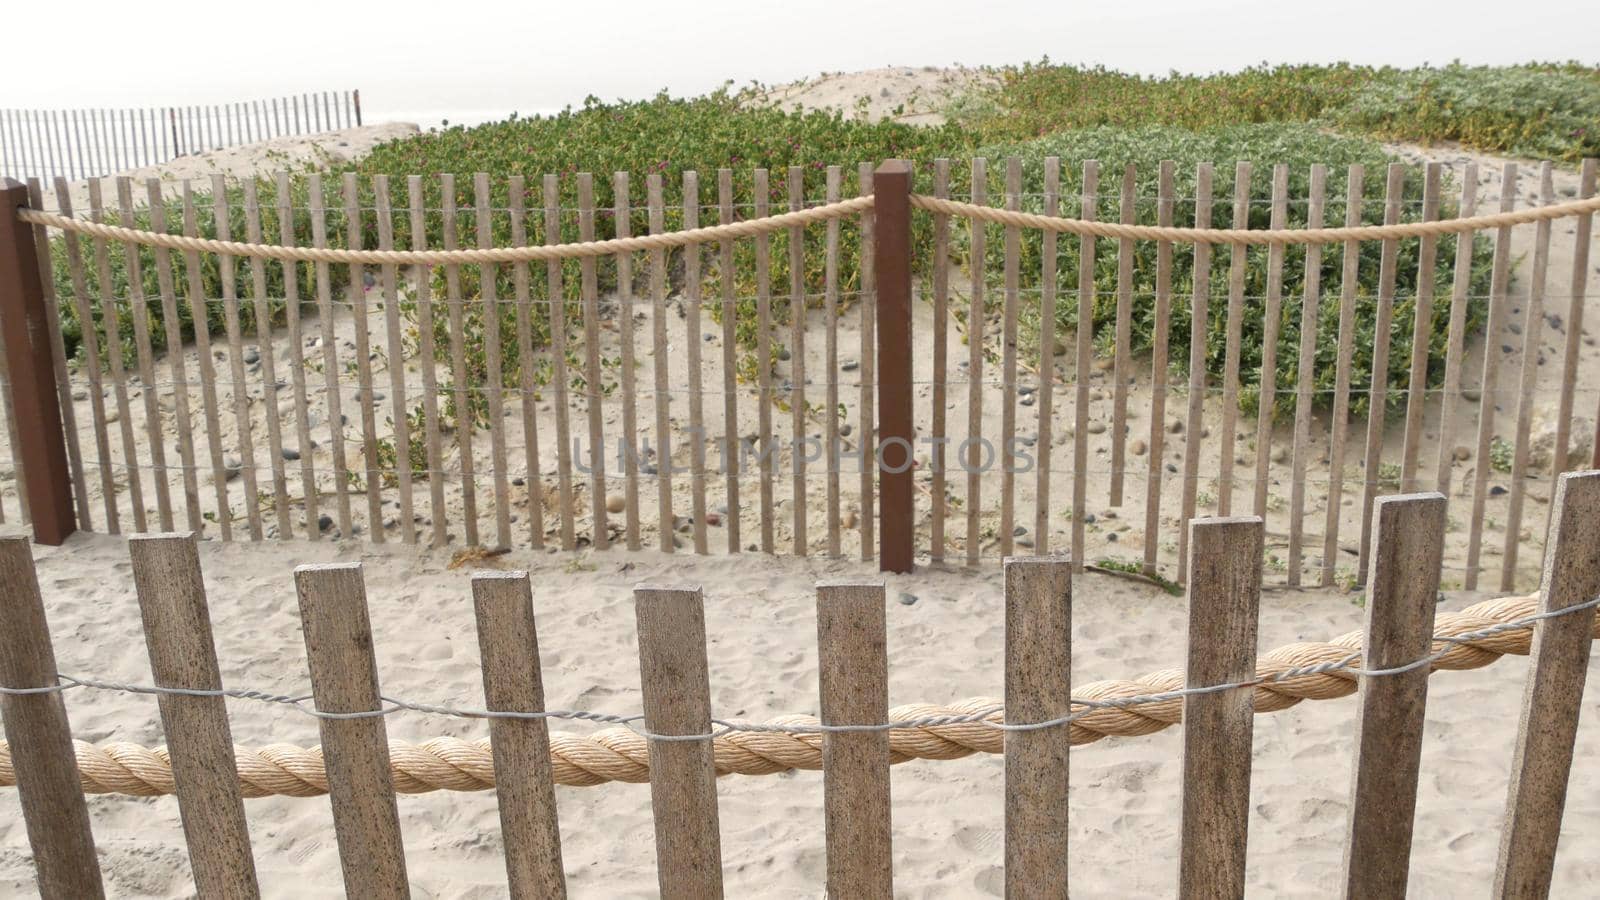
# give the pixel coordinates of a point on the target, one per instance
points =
(815, 214)
(470, 256)
(1255, 238)
(1469, 639)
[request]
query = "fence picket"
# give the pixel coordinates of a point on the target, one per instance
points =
(353, 214)
(593, 390)
(797, 361)
(1499, 281)
(183, 655)
(264, 352)
(763, 198)
(1421, 332)
(1083, 328)
(1238, 269)
(1038, 666)
(1553, 699)
(1158, 370)
(869, 369)
(1340, 426)
(516, 202)
(1044, 431)
(512, 682)
(1272, 324)
(140, 314)
(90, 336)
(1402, 593)
(1455, 340)
(330, 356)
(730, 364)
(383, 207)
(199, 308)
(661, 398)
(1199, 304)
(1127, 214)
(941, 361)
(976, 315)
(494, 382)
(175, 361)
(1582, 231)
(1224, 581)
(628, 378)
(427, 353)
(464, 419)
(853, 675)
(344, 679)
(830, 419)
(1011, 274)
(40, 738)
(297, 359)
(555, 295)
(1310, 312)
(1378, 394)
(692, 343)
(677, 701)
(1532, 356)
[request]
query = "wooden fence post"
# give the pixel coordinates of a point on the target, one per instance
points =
(41, 743)
(1038, 688)
(891, 251)
(356, 96)
(41, 446)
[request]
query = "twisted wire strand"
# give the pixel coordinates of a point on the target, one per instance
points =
(1470, 639)
(1096, 228)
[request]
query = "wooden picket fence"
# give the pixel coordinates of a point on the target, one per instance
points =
(1218, 709)
(89, 143)
(306, 430)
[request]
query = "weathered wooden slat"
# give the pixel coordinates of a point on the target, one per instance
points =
(1266, 405)
(976, 314)
(422, 276)
(1421, 332)
(1008, 357)
(867, 405)
(768, 443)
(1582, 231)
(111, 321)
(396, 363)
(297, 359)
(1488, 382)
(199, 308)
(173, 330)
(1455, 341)
(462, 388)
(1044, 441)
(1553, 697)
(830, 418)
(940, 389)
(139, 312)
(731, 454)
(1532, 355)
(1224, 605)
(677, 701)
(1402, 592)
(330, 357)
(344, 679)
(692, 344)
(1310, 310)
(516, 203)
(662, 396)
(556, 297)
(853, 671)
(1378, 392)
(593, 390)
(357, 293)
(1199, 304)
(1123, 352)
(90, 336)
(797, 362)
(494, 384)
(628, 380)
(1238, 268)
(512, 682)
(262, 308)
(1340, 427)
(1159, 343)
(1038, 665)
(177, 633)
(40, 737)
(1083, 327)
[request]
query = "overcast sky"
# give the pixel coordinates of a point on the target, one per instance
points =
(480, 57)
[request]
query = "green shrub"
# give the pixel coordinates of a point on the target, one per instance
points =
(1298, 147)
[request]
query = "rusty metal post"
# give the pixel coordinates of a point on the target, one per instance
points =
(23, 319)
(891, 249)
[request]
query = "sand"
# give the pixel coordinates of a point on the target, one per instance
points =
(947, 645)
